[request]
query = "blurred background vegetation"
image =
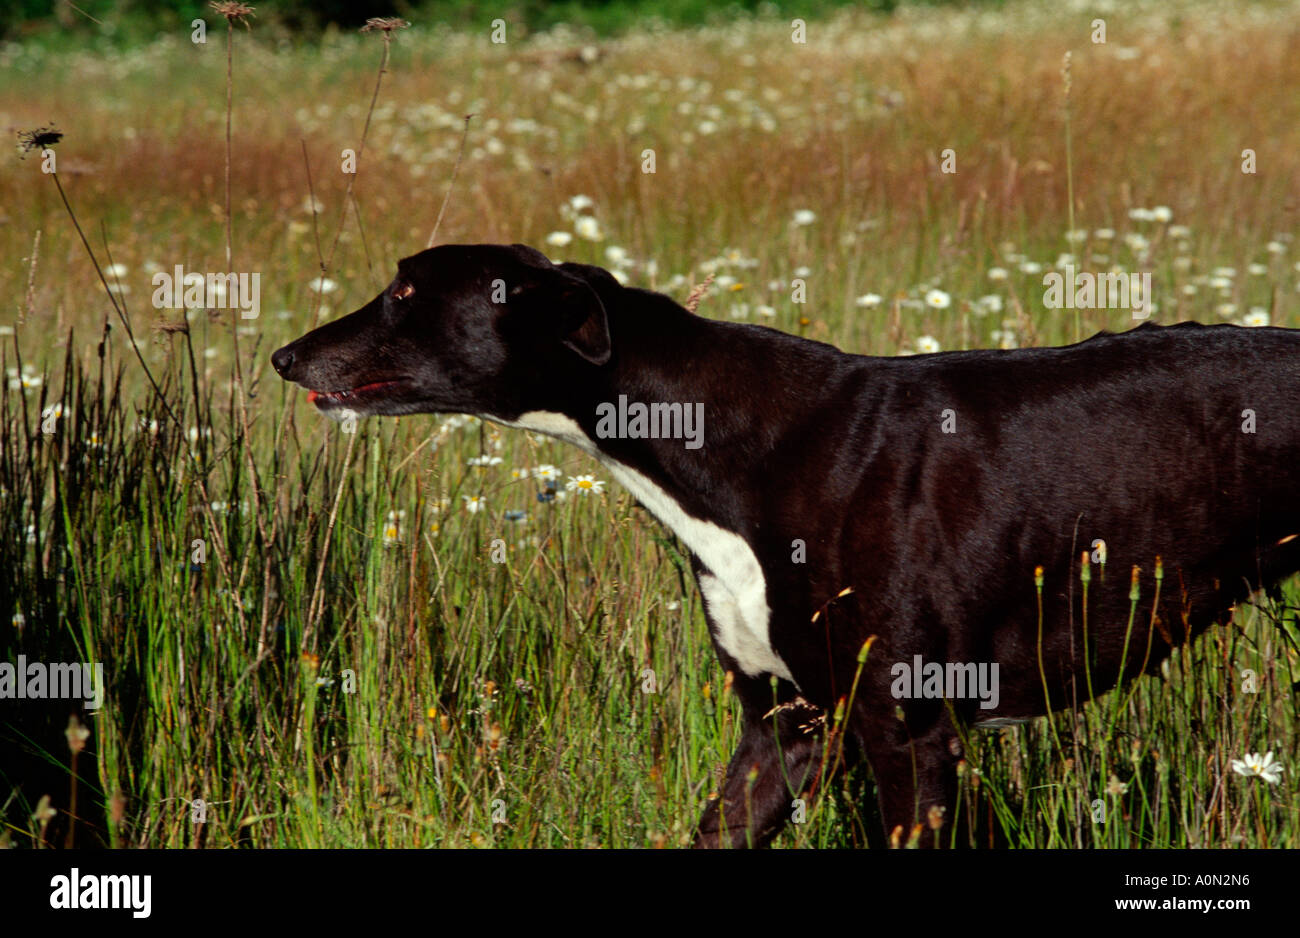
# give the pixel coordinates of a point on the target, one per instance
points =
(136, 20)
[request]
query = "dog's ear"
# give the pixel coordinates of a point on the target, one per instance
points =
(587, 329)
(586, 326)
(582, 322)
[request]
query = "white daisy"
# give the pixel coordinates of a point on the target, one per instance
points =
(587, 227)
(937, 299)
(1253, 764)
(585, 484)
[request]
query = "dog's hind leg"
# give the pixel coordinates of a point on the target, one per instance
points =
(776, 763)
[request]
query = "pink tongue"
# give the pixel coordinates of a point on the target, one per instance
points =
(311, 396)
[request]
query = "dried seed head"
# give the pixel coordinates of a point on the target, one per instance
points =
(38, 139)
(232, 10)
(384, 24)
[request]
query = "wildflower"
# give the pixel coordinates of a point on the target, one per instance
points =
(558, 239)
(1275, 247)
(587, 227)
(1104, 234)
(547, 473)
(517, 516)
(868, 300)
(1115, 786)
(1252, 764)
(474, 503)
(485, 460)
(393, 530)
(322, 285)
(989, 304)
(585, 484)
(1258, 316)
(937, 299)
(77, 733)
(1031, 267)
(1257, 270)
(997, 273)
(1162, 214)
(804, 217)
(927, 344)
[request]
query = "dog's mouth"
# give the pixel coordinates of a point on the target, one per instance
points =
(371, 393)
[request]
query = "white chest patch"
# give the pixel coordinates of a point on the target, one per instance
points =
(735, 592)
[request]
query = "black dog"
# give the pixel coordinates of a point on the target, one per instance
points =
(931, 486)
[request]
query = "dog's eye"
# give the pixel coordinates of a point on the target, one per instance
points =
(402, 291)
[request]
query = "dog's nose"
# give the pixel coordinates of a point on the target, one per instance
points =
(282, 361)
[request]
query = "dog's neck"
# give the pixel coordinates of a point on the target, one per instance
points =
(733, 378)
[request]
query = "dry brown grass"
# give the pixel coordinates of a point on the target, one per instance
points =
(864, 110)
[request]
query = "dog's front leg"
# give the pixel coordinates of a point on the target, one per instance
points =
(777, 761)
(915, 774)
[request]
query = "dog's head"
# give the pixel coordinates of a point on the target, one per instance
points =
(474, 328)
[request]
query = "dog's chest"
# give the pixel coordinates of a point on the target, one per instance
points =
(731, 581)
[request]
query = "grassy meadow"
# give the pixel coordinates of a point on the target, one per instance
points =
(306, 636)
